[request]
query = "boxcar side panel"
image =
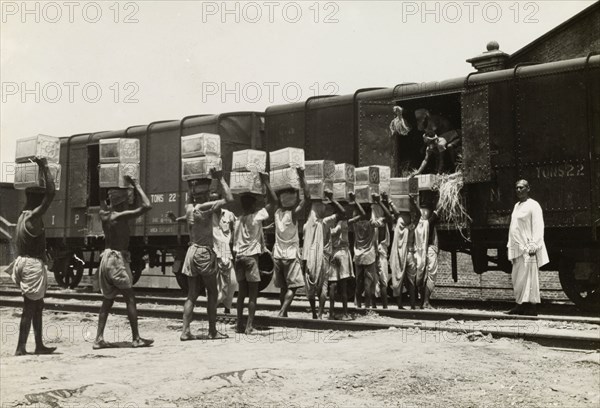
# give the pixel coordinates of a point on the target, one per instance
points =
(285, 127)
(54, 219)
(78, 190)
(162, 177)
(330, 131)
(553, 147)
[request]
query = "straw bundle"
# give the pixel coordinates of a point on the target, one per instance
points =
(451, 204)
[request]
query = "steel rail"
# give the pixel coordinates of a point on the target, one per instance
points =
(301, 306)
(523, 332)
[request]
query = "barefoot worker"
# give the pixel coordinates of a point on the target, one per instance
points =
(365, 253)
(382, 212)
(248, 244)
(402, 255)
(223, 226)
(286, 252)
(200, 260)
(426, 249)
(114, 274)
(340, 269)
(316, 254)
(29, 270)
(526, 250)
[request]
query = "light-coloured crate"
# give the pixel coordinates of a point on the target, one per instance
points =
(364, 193)
(241, 182)
(201, 144)
(283, 179)
(119, 150)
(427, 181)
(404, 185)
(344, 172)
(366, 175)
(38, 146)
(199, 167)
(319, 170)
(316, 188)
(384, 187)
(112, 175)
(249, 160)
(341, 190)
(288, 157)
(385, 173)
(29, 175)
(401, 202)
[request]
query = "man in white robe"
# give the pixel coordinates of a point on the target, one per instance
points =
(526, 251)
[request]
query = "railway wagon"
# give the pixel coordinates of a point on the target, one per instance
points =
(9, 213)
(539, 122)
(73, 226)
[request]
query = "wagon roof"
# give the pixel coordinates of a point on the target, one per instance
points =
(424, 89)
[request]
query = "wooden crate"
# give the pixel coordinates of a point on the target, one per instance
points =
(119, 150)
(288, 157)
(319, 170)
(404, 185)
(284, 179)
(241, 182)
(112, 175)
(199, 167)
(341, 190)
(29, 175)
(344, 172)
(38, 146)
(249, 160)
(201, 144)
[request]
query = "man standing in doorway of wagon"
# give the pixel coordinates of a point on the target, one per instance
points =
(526, 251)
(114, 274)
(29, 270)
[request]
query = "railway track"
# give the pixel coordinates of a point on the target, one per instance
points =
(301, 306)
(408, 322)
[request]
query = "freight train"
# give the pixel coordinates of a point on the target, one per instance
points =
(538, 122)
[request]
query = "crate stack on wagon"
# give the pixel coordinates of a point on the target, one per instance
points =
(119, 157)
(28, 175)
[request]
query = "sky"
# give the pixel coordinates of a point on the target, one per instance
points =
(72, 67)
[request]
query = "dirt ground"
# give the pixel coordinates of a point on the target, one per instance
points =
(281, 367)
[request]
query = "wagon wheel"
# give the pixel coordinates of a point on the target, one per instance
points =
(137, 265)
(266, 266)
(68, 270)
(59, 266)
(182, 280)
(584, 293)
